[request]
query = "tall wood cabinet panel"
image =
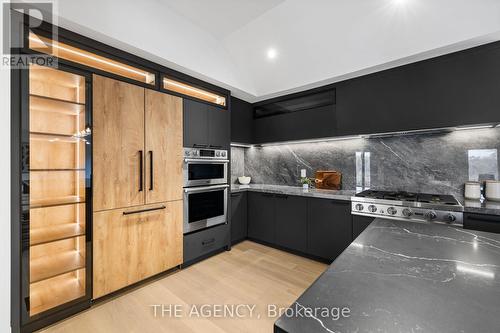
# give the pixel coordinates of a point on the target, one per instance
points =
(129, 247)
(119, 144)
(163, 147)
(137, 184)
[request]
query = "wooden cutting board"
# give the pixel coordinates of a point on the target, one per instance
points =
(328, 180)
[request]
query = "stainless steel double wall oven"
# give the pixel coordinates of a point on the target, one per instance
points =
(205, 188)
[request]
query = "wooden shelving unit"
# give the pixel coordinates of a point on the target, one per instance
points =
(54, 265)
(57, 156)
(48, 294)
(56, 232)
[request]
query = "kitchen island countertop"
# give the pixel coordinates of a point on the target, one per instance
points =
(402, 276)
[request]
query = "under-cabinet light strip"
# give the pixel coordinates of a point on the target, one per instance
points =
(57, 46)
(185, 86)
(370, 136)
(463, 128)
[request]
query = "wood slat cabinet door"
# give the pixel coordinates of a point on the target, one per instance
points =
(118, 137)
(164, 151)
(129, 245)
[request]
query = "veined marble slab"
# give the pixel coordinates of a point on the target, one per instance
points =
(401, 276)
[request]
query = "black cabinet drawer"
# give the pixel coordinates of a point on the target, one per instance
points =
(205, 241)
(480, 222)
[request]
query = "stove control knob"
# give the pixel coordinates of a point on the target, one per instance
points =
(217, 154)
(407, 212)
(187, 153)
(223, 154)
(392, 210)
(372, 208)
(430, 215)
(359, 207)
(450, 218)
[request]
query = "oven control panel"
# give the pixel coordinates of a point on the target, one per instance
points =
(202, 153)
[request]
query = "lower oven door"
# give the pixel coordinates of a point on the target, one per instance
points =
(204, 207)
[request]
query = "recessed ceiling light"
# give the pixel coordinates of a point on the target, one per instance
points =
(272, 53)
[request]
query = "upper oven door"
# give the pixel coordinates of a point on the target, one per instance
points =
(205, 172)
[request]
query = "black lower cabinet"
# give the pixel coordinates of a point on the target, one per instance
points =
(329, 227)
(291, 222)
(206, 241)
(360, 223)
(481, 222)
(239, 222)
(261, 217)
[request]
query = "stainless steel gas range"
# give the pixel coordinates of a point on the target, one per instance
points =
(410, 206)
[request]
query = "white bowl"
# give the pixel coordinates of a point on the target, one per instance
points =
(244, 180)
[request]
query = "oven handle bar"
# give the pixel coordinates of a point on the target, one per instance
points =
(190, 160)
(204, 188)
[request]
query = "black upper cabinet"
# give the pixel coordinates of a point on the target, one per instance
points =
(239, 223)
(195, 124)
(261, 217)
(307, 124)
(241, 121)
(219, 126)
(329, 227)
(291, 222)
(206, 125)
(305, 115)
(455, 89)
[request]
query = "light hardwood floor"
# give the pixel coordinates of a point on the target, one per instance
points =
(250, 274)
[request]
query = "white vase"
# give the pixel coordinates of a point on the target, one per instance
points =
(305, 186)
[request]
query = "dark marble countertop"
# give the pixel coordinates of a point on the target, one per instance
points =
(293, 190)
(486, 207)
(401, 276)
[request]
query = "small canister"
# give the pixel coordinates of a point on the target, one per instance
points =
(492, 192)
(473, 190)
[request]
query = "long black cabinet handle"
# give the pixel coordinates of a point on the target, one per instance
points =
(141, 171)
(235, 194)
(199, 146)
(151, 170)
(208, 241)
(143, 210)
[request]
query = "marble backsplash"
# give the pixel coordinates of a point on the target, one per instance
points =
(433, 163)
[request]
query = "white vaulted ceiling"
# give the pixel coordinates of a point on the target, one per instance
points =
(316, 41)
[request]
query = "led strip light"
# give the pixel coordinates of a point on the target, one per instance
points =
(199, 91)
(97, 59)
